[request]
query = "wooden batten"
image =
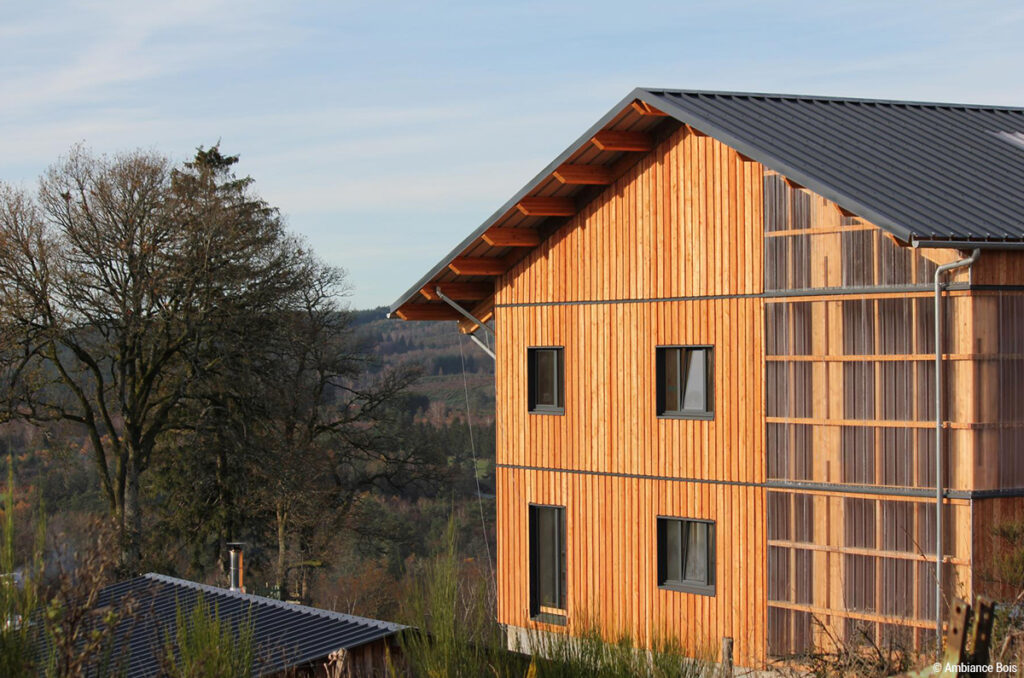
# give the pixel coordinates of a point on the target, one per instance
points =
(644, 108)
(843, 211)
(427, 312)
(459, 291)
(538, 206)
(483, 311)
(478, 266)
(895, 241)
(792, 184)
(599, 175)
(615, 140)
(511, 237)
(694, 131)
(940, 255)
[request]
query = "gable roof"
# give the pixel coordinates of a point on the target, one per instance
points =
(284, 635)
(934, 175)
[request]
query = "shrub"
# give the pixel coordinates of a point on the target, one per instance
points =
(204, 646)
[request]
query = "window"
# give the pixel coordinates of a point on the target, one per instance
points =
(547, 563)
(684, 382)
(686, 555)
(546, 380)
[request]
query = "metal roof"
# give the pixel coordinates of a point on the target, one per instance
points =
(933, 174)
(927, 172)
(284, 635)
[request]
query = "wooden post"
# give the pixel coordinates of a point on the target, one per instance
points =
(726, 657)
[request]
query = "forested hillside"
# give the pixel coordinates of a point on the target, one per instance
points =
(443, 355)
(360, 568)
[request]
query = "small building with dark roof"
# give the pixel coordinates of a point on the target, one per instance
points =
(288, 639)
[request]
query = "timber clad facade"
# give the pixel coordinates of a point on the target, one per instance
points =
(745, 440)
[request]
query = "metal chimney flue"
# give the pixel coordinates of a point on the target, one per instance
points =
(237, 567)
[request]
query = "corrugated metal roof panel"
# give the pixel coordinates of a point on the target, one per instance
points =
(924, 171)
(284, 634)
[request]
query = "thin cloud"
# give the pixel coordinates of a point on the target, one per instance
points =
(94, 47)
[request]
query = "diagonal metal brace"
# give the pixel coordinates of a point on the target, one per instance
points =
(443, 297)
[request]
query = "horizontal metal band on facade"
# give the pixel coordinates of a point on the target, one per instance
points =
(923, 289)
(635, 476)
(790, 485)
(898, 423)
(875, 490)
(888, 357)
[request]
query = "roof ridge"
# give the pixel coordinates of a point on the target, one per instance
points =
(272, 602)
(832, 99)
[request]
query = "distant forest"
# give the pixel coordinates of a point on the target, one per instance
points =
(361, 568)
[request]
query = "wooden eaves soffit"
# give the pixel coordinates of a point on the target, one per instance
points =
(555, 196)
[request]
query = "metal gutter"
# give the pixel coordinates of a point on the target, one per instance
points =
(939, 489)
(971, 244)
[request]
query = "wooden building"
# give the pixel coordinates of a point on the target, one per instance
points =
(715, 333)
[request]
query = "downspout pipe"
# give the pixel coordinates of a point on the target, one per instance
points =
(940, 490)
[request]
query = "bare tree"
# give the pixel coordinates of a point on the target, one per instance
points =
(119, 284)
(321, 434)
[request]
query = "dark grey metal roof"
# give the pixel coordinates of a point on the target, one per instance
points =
(284, 635)
(933, 174)
(927, 172)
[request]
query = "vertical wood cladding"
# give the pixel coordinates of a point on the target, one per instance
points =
(673, 226)
(822, 328)
(684, 222)
(612, 567)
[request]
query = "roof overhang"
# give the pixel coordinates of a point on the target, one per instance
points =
(596, 159)
(467, 274)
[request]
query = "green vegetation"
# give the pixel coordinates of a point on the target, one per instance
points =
(591, 654)
(18, 596)
(1007, 577)
(203, 646)
(455, 635)
(451, 608)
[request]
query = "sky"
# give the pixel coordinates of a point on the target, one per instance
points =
(386, 131)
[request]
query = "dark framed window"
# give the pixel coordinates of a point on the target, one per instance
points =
(546, 379)
(547, 563)
(685, 381)
(686, 555)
